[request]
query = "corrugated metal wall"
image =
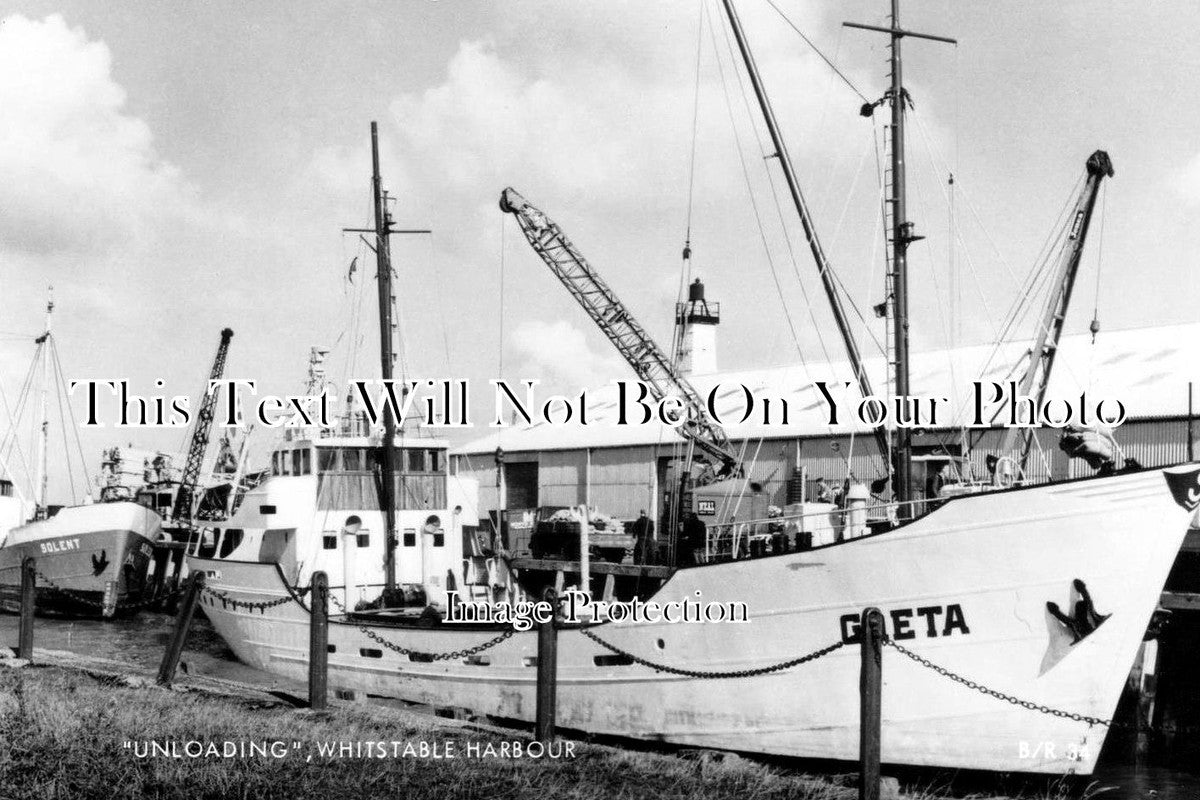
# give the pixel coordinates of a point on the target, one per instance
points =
(562, 477)
(623, 479)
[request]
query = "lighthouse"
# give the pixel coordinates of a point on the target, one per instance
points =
(698, 320)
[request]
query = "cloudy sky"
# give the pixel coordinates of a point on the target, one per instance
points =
(174, 168)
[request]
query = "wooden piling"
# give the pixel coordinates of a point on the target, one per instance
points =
(870, 703)
(547, 672)
(318, 642)
(183, 621)
(28, 604)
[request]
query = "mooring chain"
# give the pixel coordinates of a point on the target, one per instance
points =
(87, 601)
(262, 605)
(1008, 698)
(404, 651)
(692, 673)
(1054, 712)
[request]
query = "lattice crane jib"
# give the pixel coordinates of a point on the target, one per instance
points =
(1041, 363)
(649, 362)
(185, 498)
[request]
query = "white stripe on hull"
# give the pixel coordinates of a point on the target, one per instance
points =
(999, 557)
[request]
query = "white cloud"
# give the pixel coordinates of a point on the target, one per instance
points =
(558, 354)
(77, 172)
(1187, 181)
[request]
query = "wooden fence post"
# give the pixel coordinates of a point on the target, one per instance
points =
(547, 671)
(870, 707)
(318, 642)
(183, 621)
(28, 602)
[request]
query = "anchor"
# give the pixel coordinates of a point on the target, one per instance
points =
(1084, 619)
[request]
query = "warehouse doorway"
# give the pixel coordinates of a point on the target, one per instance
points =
(521, 485)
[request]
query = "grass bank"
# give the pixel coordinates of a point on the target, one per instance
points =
(64, 733)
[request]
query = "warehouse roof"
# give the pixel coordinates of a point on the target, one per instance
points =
(1146, 369)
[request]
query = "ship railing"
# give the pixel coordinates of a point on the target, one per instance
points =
(790, 532)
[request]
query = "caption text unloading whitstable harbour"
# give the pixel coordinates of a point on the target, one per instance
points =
(445, 403)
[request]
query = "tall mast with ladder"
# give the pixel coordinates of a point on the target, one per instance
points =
(43, 474)
(387, 359)
(900, 231)
(383, 231)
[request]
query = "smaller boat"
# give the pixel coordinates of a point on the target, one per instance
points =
(91, 558)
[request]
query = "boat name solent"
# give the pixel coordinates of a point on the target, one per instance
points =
(59, 545)
(444, 403)
(576, 607)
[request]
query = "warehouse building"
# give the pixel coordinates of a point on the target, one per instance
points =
(625, 470)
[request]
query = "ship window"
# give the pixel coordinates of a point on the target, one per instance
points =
(266, 509)
(439, 538)
(230, 541)
(370, 652)
(306, 461)
(329, 541)
(208, 544)
(274, 463)
(410, 537)
(327, 459)
(416, 460)
(297, 462)
(331, 648)
(478, 661)
(352, 459)
(435, 461)
(363, 539)
(422, 657)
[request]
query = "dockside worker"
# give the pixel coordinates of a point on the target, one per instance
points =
(694, 533)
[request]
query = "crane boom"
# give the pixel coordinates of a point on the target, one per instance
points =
(647, 359)
(1041, 360)
(185, 497)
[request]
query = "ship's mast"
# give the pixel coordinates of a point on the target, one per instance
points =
(901, 235)
(824, 268)
(43, 473)
(383, 263)
(383, 231)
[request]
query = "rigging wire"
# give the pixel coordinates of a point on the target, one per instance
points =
(11, 440)
(63, 394)
(685, 274)
(817, 50)
(1095, 327)
(779, 210)
(62, 421)
(754, 205)
(685, 267)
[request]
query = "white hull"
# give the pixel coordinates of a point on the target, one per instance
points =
(998, 557)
